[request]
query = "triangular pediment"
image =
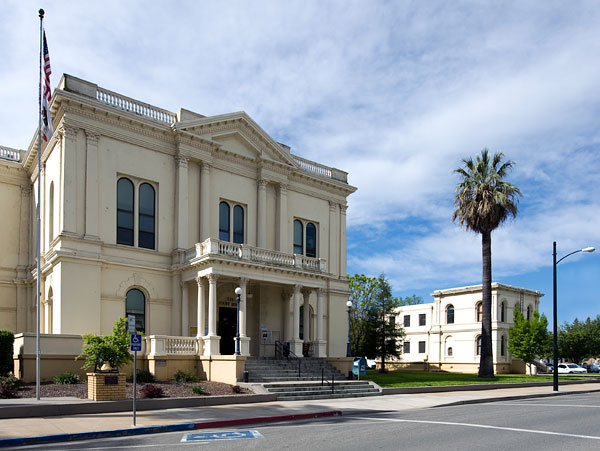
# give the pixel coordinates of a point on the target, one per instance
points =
(238, 133)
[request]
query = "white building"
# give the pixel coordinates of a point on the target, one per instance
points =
(446, 334)
(162, 215)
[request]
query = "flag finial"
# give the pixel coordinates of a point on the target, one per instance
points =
(41, 11)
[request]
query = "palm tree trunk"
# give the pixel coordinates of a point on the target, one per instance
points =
(486, 363)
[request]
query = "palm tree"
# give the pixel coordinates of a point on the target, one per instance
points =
(483, 201)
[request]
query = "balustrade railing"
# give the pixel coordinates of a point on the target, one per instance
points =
(168, 345)
(319, 169)
(246, 252)
(133, 106)
(10, 154)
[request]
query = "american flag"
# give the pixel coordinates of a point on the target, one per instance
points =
(47, 129)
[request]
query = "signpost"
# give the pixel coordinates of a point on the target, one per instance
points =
(135, 346)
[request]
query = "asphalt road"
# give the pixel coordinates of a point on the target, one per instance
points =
(565, 422)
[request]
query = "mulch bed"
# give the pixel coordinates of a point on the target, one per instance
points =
(170, 389)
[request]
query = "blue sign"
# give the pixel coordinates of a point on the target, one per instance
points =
(136, 342)
(225, 435)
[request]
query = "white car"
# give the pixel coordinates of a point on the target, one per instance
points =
(570, 368)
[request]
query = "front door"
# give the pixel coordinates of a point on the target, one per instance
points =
(226, 329)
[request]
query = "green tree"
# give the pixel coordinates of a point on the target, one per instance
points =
(363, 290)
(382, 335)
(483, 201)
(113, 349)
(410, 300)
(579, 340)
(528, 339)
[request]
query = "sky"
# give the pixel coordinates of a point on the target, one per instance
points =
(397, 93)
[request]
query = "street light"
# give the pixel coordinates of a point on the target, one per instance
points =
(554, 307)
(238, 292)
(348, 351)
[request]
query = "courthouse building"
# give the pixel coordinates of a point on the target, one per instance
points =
(162, 215)
(446, 334)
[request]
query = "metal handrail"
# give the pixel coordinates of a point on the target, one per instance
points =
(280, 352)
(323, 380)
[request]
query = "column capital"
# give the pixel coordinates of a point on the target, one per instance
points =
(68, 132)
(205, 167)
(306, 291)
(212, 278)
(297, 288)
(262, 183)
(199, 280)
(283, 189)
(243, 282)
(320, 291)
(91, 138)
(343, 209)
(333, 206)
(182, 161)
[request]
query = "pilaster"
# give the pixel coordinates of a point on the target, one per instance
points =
(181, 203)
(91, 186)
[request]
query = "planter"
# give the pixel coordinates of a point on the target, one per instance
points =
(106, 386)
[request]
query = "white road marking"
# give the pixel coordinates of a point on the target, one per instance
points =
(537, 405)
(482, 426)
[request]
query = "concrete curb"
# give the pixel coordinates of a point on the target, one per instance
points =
(90, 407)
(23, 441)
(475, 387)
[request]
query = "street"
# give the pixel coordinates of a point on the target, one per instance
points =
(554, 423)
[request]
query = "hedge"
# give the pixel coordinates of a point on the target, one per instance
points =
(7, 338)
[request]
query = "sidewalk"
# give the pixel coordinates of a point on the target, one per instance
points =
(237, 414)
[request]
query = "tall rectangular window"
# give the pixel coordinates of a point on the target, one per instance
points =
(421, 347)
(146, 216)
(421, 319)
(126, 213)
(406, 320)
(406, 347)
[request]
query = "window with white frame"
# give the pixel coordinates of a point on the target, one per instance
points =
(232, 222)
(406, 347)
(422, 319)
(406, 320)
(136, 213)
(478, 345)
(421, 347)
(450, 314)
(305, 238)
(478, 312)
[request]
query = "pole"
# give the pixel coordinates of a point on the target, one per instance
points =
(555, 320)
(348, 350)
(38, 226)
(134, 383)
(237, 327)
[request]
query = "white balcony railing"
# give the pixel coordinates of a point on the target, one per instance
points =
(168, 345)
(245, 252)
(319, 169)
(134, 106)
(9, 154)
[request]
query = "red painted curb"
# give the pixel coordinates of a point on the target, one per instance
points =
(272, 419)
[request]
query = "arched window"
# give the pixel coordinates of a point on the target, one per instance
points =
(51, 213)
(125, 212)
(224, 221)
(238, 224)
(146, 216)
(478, 312)
(502, 345)
(298, 237)
(528, 312)
(449, 351)
(135, 304)
(311, 240)
(450, 314)
(503, 312)
(478, 345)
(449, 345)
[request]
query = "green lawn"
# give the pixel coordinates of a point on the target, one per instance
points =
(420, 378)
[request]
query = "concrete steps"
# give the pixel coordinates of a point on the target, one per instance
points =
(304, 369)
(315, 390)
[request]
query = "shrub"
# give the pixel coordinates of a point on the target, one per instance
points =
(185, 376)
(113, 349)
(67, 378)
(144, 377)
(236, 388)
(7, 338)
(9, 385)
(198, 390)
(151, 391)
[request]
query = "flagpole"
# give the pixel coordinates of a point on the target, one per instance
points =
(38, 284)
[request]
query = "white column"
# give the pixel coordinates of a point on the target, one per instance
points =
(319, 314)
(343, 209)
(68, 185)
(91, 186)
(185, 324)
(295, 342)
(261, 230)
(242, 318)
(201, 308)
(181, 202)
(320, 348)
(286, 297)
(306, 319)
(212, 304)
(334, 242)
(205, 202)
(283, 239)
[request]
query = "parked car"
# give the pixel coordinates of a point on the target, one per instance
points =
(371, 364)
(549, 368)
(591, 367)
(570, 368)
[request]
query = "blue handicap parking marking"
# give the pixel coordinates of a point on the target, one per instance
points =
(224, 435)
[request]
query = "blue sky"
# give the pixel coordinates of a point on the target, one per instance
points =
(395, 93)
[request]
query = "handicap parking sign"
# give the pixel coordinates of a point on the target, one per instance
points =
(136, 342)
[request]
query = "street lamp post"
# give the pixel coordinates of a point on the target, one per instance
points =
(348, 350)
(238, 292)
(554, 307)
